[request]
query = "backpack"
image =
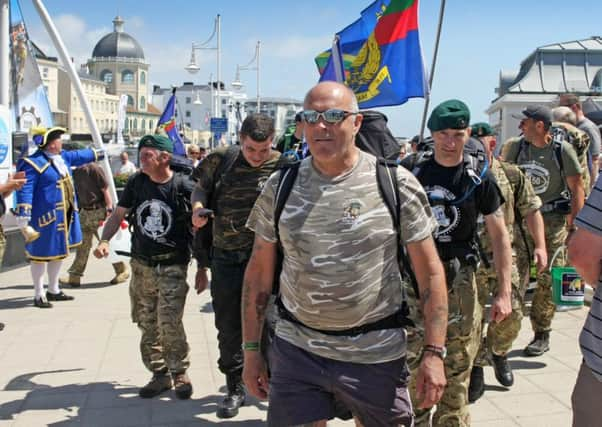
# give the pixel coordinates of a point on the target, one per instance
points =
(374, 136)
(203, 238)
(386, 176)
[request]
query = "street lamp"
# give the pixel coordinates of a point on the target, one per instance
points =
(193, 68)
(237, 84)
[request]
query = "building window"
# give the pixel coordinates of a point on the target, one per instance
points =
(188, 125)
(143, 124)
(135, 124)
(188, 100)
(127, 76)
(142, 78)
(130, 101)
(150, 125)
(142, 103)
(45, 72)
(187, 113)
(106, 76)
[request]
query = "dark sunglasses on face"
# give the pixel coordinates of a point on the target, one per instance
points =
(331, 116)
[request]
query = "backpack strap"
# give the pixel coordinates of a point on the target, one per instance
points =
(386, 177)
(221, 171)
(288, 175)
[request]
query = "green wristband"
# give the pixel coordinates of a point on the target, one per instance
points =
(250, 346)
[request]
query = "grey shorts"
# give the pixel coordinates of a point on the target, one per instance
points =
(305, 387)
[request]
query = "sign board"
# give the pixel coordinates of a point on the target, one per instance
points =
(219, 124)
(6, 151)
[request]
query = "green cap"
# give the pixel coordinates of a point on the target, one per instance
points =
(160, 142)
(451, 114)
(481, 129)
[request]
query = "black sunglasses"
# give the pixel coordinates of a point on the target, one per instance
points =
(332, 116)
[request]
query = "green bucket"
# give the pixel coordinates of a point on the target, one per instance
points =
(567, 286)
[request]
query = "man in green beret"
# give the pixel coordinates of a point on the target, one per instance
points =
(460, 188)
(520, 203)
(156, 203)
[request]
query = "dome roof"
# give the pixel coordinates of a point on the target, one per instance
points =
(118, 44)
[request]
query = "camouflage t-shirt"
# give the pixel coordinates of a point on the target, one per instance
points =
(508, 178)
(340, 265)
(237, 192)
(539, 164)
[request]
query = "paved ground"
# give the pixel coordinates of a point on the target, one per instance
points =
(78, 364)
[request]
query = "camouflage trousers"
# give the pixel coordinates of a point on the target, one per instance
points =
(542, 307)
(89, 221)
(463, 338)
(157, 296)
(500, 336)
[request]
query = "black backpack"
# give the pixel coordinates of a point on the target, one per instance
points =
(386, 176)
(374, 136)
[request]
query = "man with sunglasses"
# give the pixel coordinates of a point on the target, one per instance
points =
(340, 282)
(229, 181)
(554, 170)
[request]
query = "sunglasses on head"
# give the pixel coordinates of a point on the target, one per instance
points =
(332, 116)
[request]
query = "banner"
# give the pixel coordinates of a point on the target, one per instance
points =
(29, 101)
(388, 69)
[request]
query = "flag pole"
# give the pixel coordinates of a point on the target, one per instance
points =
(77, 85)
(432, 73)
(339, 71)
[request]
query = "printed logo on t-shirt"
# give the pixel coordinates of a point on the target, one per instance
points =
(154, 219)
(447, 216)
(538, 175)
(351, 210)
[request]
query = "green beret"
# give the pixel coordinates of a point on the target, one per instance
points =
(160, 142)
(481, 129)
(451, 114)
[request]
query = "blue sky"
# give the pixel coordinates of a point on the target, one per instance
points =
(479, 39)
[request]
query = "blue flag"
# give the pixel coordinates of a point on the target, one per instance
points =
(167, 126)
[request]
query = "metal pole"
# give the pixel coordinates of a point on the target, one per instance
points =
(70, 68)
(258, 100)
(432, 74)
(5, 54)
(219, 65)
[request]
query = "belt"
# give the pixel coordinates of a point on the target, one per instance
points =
(170, 258)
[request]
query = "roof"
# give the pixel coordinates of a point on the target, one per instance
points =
(268, 100)
(118, 44)
(150, 110)
(574, 66)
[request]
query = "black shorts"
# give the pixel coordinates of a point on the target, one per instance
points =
(305, 388)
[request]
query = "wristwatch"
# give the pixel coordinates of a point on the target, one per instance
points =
(440, 352)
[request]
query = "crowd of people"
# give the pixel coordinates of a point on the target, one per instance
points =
(343, 285)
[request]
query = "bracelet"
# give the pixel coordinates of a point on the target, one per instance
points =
(103, 241)
(250, 346)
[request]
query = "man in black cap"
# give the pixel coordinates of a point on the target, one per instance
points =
(229, 182)
(555, 173)
(460, 188)
(156, 201)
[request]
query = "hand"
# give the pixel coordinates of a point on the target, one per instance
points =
(501, 307)
(109, 211)
(255, 375)
(198, 221)
(540, 257)
(430, 380)
(201, 281)
(102, 250)
(16, 181)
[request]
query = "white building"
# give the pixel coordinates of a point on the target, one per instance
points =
(282, 110)
(549, 71)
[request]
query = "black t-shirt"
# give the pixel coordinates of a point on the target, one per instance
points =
(160, 216)
(457, 223)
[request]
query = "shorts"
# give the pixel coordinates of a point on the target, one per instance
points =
(305, 387)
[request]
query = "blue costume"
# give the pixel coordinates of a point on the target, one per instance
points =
(48, 198)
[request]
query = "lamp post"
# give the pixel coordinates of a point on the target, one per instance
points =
(237, 83)
(193, 68)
